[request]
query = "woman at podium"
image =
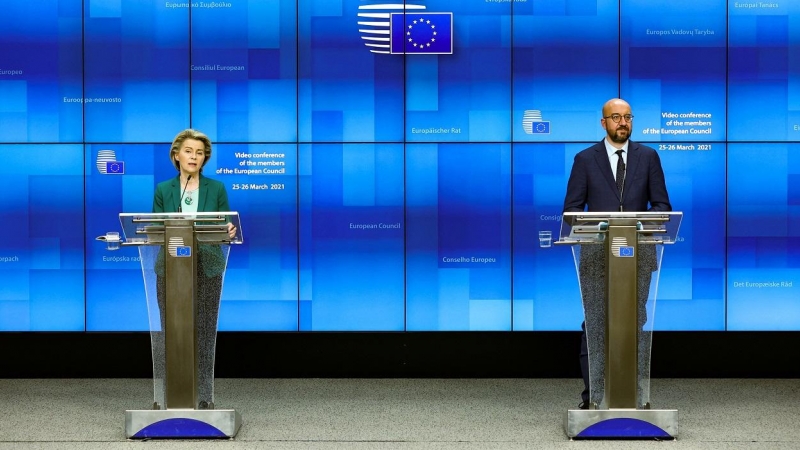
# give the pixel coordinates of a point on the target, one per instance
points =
(191, 192)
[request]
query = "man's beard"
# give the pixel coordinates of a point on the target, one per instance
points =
(615, 136)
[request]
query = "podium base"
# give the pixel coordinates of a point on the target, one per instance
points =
(621, 423)
(182, 424)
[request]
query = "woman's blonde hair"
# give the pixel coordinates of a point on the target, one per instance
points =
(178, 142)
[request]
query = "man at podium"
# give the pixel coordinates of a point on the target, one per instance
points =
(613, 175)
(190, 192)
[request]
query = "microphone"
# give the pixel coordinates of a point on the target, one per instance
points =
(180, 199)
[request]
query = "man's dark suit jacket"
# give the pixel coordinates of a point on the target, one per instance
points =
(591, 184)
(213, 197)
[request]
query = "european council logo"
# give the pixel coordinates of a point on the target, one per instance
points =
(405, 29)
(532, 122)
(620, 248)
(176, 248)
(107, 163)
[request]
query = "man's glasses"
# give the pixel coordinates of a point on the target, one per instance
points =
(617, 117)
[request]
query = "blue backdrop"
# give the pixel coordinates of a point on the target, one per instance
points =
(383, 191)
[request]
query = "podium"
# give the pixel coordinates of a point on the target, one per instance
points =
(618, 257)
(183, 259)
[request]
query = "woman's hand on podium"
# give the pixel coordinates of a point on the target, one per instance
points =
(231, 230)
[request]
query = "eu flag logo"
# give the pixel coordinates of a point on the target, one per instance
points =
(421, 33)
(115, 167)
(626, 252)
(532, 122)
(540, 128)
(183, 252)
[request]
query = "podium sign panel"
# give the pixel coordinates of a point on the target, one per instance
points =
(183, 259)
(617, 257)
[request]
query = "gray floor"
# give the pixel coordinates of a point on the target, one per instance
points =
(402, 414)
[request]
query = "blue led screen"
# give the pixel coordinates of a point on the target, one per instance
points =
(763, 236)
(43, 256)
(393, 166)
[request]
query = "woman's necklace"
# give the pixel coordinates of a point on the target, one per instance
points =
(189, 197)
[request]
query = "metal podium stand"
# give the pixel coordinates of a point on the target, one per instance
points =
(183, 260)
(618, 256)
